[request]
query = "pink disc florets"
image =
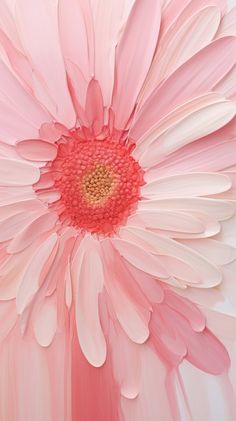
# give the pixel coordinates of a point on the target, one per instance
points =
(99, 182)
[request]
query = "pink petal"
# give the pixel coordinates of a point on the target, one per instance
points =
(217, 252)
(17, 173)
(145, 15)
(218, 209)
(126, 369)
(21, 102)
(36, 150)
(130, 306)
(204, 121)
(13, 225)
(187, 310)
(109, 19)
(18, 61)
(153, 401)
(74, 24)
(171, 221)
(228, 23)
(209, 274)
(187, 185)
(94, 106)
(198, 75)
(139, 258)
(39, 264)
(42, 49)
(32, 231)
(183, 44)
(209, 154)
(45, 322)
(12, 273)
(7, 210)
(88, 286)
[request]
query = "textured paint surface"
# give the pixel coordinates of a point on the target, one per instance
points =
(117, 210)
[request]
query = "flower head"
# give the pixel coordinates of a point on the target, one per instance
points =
(117, 160)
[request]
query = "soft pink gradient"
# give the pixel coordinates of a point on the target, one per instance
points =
(129, 326)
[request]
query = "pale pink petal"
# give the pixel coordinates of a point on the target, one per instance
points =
(7, 210)
(44, 48)
(209, 274)
(7, 22)
(170, 221)
(38, 266)
(18, 61)
(94, 107)
(88, 276)
(180, 113)
(139, 258)
(201, 123)
(145, 14)
(74, 24)
(9, 318)
(212, 153)
(13, 225)
(218, 209)
(225, 85)
(197, 76)
(187, 309)
(189, 185)
(228, 24)
(40, 225)
(21, 129)
(126, 369)
(180, 34)
(209, 389)
(216, 360)
(36, 150)
(183, 44)
(216, 251)
(45, 322)
(153, 400)
(12, 272)
(17, 173)
(177, 11)
(130, 306)
(21, 102)
(109, 18)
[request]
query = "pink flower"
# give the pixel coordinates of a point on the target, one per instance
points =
(117, 180)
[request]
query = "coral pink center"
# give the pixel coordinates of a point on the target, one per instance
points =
(99, 182)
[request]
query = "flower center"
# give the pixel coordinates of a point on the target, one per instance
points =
(99, 182)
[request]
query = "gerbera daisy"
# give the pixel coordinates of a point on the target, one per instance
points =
(117, 181)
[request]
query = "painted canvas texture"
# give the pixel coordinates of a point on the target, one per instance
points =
(117, 210)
